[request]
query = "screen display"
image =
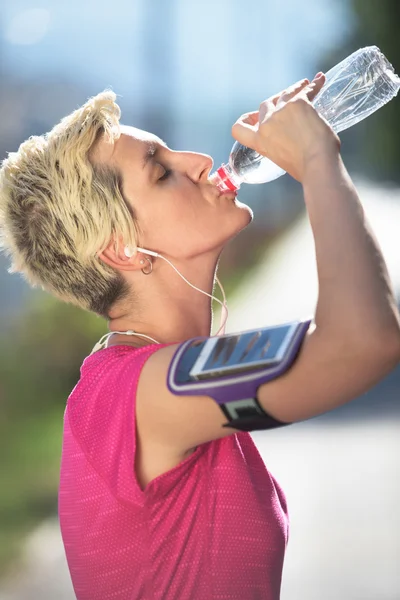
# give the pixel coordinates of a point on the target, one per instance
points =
(241, 352)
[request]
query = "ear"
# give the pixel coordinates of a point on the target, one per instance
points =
(119, 261)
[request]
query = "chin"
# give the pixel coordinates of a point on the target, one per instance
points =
(239, 220)
(247, 211)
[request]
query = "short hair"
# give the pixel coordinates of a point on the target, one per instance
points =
(58, 210)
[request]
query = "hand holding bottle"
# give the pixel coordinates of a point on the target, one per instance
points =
(354, 89)
(287, 129)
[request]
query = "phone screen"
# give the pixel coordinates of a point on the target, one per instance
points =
(237, 353)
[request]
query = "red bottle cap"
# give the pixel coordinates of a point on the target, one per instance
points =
(225, 179)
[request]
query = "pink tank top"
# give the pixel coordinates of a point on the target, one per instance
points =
(214, 527)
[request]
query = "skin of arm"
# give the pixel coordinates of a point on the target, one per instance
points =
(356, 304)
(355, 298)
(355, 340)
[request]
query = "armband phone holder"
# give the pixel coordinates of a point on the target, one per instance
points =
(231, 368)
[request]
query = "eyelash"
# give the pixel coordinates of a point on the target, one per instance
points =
(167, 173)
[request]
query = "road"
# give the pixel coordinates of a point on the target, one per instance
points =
(342, 485)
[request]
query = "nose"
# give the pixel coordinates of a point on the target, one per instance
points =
(197, 166)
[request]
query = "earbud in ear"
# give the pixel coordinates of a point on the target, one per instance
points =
(129, 252)
(149, 252)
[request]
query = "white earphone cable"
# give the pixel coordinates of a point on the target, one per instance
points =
(224, 313)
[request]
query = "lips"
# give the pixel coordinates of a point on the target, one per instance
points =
(229, 193)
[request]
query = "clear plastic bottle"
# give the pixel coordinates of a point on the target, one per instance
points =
(354, 89)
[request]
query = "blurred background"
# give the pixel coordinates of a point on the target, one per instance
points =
(186, 71)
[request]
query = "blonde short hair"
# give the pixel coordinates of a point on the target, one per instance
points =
(57, 209)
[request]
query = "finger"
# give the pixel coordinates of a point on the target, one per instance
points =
(315, 86)
(245, 129)
(266, 108)
(311, 91)
(250, 118)
(244, 133)
(291, 91)
(275, 98)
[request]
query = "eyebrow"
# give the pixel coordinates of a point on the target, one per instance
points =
(151, 151)
(149, 154)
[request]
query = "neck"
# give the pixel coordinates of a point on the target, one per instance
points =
(166, 308)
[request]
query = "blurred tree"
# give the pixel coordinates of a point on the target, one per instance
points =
(40, 359)
(49, 343)
(376, 23)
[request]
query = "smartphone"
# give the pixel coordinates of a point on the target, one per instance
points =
(238, 353)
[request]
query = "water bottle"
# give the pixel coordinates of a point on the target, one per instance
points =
(354, 89)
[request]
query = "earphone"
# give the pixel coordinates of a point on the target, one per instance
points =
(129, 253)
(224, 313)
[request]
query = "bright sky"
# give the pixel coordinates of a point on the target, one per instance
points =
(216, 45)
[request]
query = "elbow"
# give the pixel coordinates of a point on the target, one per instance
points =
(390, 341)
(372, 358)
(393, 347)
(384, 350)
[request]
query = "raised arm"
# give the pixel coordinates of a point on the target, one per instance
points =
(355, 298)
(356, 341)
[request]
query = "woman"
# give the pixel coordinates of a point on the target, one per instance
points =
(157, 499)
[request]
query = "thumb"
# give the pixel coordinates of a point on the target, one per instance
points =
(245, 129)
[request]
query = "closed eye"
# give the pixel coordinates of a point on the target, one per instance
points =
(167, 173)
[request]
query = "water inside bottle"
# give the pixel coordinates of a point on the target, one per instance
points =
(250, 165)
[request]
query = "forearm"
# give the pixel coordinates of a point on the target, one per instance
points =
(355, 292)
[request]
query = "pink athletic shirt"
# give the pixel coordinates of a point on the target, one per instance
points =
(214, 527)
